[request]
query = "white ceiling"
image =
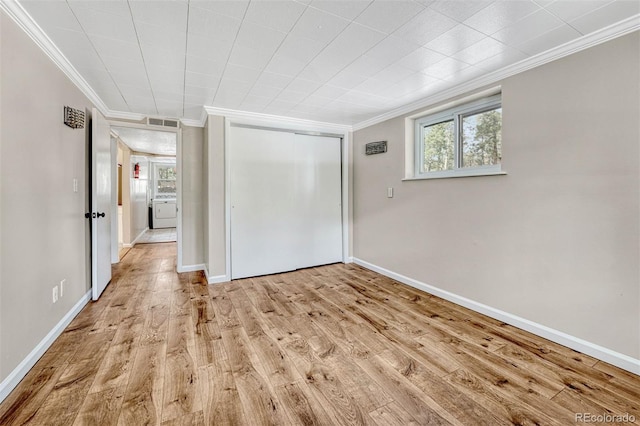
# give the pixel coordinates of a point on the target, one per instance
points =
(147, 141)
(337, 61)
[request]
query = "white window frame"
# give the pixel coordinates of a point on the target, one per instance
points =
(455, 114)
(156, 178)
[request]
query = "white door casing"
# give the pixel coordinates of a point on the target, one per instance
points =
(100, 204)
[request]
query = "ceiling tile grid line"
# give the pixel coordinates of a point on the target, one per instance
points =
(333, 61)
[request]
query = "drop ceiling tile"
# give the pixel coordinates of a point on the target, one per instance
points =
(346, 80)
(76, 47)
(214, 26)
(347, 9)
(113, 99)
(454, 40)
(568, 10)
(285, 65)
(264, 91)
(136, 102)
(316, 100)
(301, 48)
(445, 69)
(114, 7)
(318, 25)
(226, 98)
(269, 38)
(393, 73)
(118, 64)
(232, 8)
(606, 15)
(254, 102)
(459, 10)
(201, 98)
(140, 91)
(170, 15)
(291, 96)
(529, 27)
(374, 85)
(479, 51)
(500, 14)
(202, 65)
(330, 91)
(281, 106)
(304, 86)
(201, 80)
(366, 66)
(428, 25)
(274, 80)
(153, 35)
(390, 50)
(388, 16)
(549, 40)
(130, 78)
(252, 57)
(208, 48)
(238, 72)
(502, 59)
(111, 47)
(420, 59)
(207, 92)
(52, 14)
(237, 86)
(279, 15)
(107, 25)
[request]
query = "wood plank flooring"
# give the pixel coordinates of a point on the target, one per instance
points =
(332, 345)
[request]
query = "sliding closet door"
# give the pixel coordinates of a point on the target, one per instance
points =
(262, 171)
(318, 198)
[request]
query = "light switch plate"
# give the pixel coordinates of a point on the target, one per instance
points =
(389, 192)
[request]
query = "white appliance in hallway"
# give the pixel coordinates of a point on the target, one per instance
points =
(164, 213)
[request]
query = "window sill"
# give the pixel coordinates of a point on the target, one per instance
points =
(457, 174)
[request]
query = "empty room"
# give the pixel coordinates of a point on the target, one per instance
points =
(319, 212)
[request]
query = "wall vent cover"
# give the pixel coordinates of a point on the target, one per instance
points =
(375, 147)
(162, 122)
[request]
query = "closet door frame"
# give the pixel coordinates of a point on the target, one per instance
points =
(302, 127)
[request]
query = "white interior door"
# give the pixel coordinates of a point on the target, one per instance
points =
(100, 204)
(263, 240)
(318, 199)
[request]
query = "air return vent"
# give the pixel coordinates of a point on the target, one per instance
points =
(162, 122)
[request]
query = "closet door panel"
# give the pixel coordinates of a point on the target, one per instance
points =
(318, 199)
(264, 230)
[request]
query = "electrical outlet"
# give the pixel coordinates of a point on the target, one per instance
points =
(62, 283)
(55, 294)
(75, 184)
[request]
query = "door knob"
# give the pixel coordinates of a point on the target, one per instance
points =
(101, 214)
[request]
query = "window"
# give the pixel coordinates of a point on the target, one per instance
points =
(165, 177)
(461, 141)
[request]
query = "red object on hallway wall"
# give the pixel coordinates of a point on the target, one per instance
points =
(136, 171)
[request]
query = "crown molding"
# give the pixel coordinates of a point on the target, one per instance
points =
(123, 115)
(194, 122)
(276, 119)
(611, 32)
(20, 16)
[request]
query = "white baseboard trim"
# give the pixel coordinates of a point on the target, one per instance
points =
(191, 268)
(27, 364)
(607, 355)
(216, 279)
(348, 260)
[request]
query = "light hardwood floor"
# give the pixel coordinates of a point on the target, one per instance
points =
(333, 345)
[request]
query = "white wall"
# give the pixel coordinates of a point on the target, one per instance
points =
(192, 196)
(139, 204)
(216, 197)
(41, 219)
(556, 241)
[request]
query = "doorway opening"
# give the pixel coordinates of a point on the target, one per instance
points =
(148, 192)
